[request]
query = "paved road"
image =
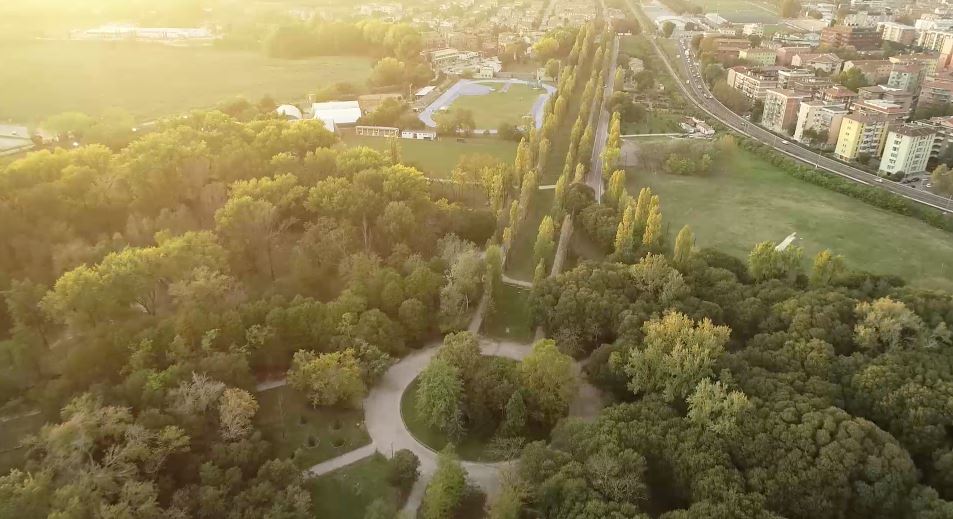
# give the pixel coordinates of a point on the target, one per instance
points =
(697, 91)
(594, 178)
(389, 434)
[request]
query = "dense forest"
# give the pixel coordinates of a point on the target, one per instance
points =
(146, 289)
(744, 389)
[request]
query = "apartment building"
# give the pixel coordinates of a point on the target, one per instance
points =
(907, 77)
(828, 63)
(936, 91)
(875, 70)
(781, 109)
(753, 83)
(786, 54)
(907, 149)
(819, 116)
(928, 60)
(934, 39)
(811, 85)
(759, 56)
(893, 95)
(839, 95)
(861, 135)
(787, 77)
(881, 108)
(860, 38)
(898, 33)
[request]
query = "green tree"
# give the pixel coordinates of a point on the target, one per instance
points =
(514, 417)
(328, 378)
(767, 262)
(684, 243)
(827, 268)
(652, 236)
(716, 408)
(942, 179)
(446, 489)
(675, 355)
(667, 29)
(549, 382)
(439, 396)
(545, 241)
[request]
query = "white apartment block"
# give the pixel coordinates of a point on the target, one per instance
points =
(819, 116)
(907, 150)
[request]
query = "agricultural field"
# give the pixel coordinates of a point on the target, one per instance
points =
(438, 158)
(743, 11)
(310, 435)
(752, 201)
(42, 78)
(500, 106)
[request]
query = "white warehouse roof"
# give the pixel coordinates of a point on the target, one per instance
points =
(339, 112)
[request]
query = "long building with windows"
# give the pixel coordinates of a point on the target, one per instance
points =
(907, 149)
(861, 135)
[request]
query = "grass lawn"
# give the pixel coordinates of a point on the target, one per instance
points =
(511, 316)
(347, 492)
(438, 158)
(519, 260)
(743, 11)
(42, 78)
(291, 424)
(11, 433)
(752, 202)
(497, 107)
(654, 122)
(473, 446)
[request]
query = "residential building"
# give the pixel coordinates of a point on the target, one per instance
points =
(839, 95)
(811, 85)
(898, 33)
(893, 95)
(753, 83)
(861, 135)
(819, 116)
(892, 112)
(875, 70)
(753, 29)
(934, 39)
(907, 77)
(762, 57)
(945, 59)
(860, 38)
(781, 109)
(787, 77)
(927, 60)
(786, 54)
(829, 63)
(431, 40)
(907, 149)
(936, 91)
(943, 127)
(726, 47)
(865, 19)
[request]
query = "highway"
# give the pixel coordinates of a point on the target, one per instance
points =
(697, 91)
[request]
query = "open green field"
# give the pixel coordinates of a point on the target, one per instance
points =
(42, 78)
(347, 492)
(754, 202)
(654, 122)
(743, 11)
(438, 158)
(511, 317)
(497, 107)
(310, 434)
